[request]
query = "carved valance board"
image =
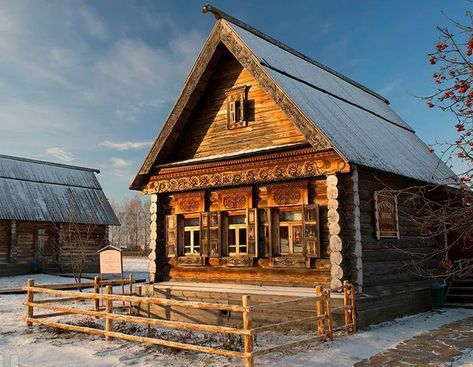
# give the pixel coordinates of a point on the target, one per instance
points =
(191, 202)
(284, 194)
(231, 199)
(300, 163)
(386, 215)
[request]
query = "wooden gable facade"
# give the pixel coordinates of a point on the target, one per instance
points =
(250, 183)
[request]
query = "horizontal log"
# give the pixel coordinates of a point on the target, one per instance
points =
(278, 303)
(260, 329)
(135, 299)
(284, 347)
(161, 342)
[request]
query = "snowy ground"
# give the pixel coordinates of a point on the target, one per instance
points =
(44, 347)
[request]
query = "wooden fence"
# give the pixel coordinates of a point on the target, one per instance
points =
(323, 318)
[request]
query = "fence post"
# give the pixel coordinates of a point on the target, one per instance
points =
(353, 308)
(96, 291)
(247, 327)
(130, 292)
(108, 310)
(328, 312)
(29, 298)
(319, 310)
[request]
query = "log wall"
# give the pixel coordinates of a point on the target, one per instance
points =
(386, 266)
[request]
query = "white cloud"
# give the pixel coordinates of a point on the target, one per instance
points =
(92, 24)
(126, 145)
(60, 154)
(119, 162)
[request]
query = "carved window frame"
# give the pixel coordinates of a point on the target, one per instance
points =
(237, 116)
(380, 233)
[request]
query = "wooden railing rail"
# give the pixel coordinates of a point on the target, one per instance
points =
(323, 320)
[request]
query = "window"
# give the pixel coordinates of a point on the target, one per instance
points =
(236, 107)
(237, 234)
(42, 241)
(191, 236)
(290, 231)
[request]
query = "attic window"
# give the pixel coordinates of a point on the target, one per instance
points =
(236, 107)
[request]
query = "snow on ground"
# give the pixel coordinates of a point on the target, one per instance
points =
(465, 361)
(19, 281)
(135, 265)
(40, 347)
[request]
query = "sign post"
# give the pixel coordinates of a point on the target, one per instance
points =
(111, 262)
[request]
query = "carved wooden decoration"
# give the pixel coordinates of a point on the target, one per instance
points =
(235, 261)
(286, 194)
(231, 199)
(387, 222)
(288, 262)
(153, 210)
(263, 168)
(192, 202)
(335, 242)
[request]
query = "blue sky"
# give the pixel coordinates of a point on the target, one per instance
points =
(91, 82)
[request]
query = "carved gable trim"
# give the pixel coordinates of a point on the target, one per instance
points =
(224, 34)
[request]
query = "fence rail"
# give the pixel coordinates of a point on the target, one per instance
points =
(322, 308)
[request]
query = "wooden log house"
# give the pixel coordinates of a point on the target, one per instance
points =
(50, 216)
(271, 170)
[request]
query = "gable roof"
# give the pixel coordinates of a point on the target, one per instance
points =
(38, 191)
(330, 109)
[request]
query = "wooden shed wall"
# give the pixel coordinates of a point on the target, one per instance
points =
(4, 240)
(206, 129)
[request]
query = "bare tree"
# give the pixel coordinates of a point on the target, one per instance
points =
(445, 211)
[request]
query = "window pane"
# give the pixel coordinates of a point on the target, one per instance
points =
(297, 239)
(242, 236)
(187, 238)
(284, 239)
(290, 216)
(231, 237)
(237, 219)
(194, 222)
(196, 238)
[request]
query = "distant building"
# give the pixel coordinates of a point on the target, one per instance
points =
(50, 215)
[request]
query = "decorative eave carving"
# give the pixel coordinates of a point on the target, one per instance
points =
(303, 163)
(231, 199)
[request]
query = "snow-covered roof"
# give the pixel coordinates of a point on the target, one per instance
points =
(353, 120)
(360, 124)
(38, 191)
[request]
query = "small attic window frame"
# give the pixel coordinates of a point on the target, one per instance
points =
(236, 107)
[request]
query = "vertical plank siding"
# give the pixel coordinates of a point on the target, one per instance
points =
(206, 130)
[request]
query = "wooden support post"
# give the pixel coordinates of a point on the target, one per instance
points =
(30, 298)
(353, 308)
(346, 303)
(108, 310)
(319, 310)
(248, 339)
(96, 291)
(130, 291)
(328, 312)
